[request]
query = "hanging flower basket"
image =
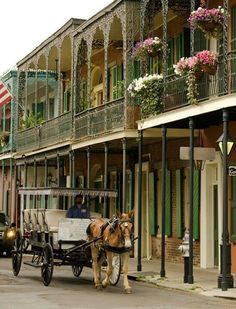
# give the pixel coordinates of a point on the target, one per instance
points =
(151, 47)
(198, 74)
(4, 138)
(147, 92)
(211, 70)
(209, 21)
(209, 61)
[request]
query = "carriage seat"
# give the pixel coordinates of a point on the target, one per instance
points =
(33, 219)
(52, 218)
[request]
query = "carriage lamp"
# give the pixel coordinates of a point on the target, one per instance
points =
(11, 234)
(230, 143)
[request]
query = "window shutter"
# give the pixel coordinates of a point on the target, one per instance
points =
(137, 72)
(114, 82)
(233, 28)
(168, 215)
(151, 204)
(179, 204)
(196, 203)
(233, 210)
(200, 42)
(130, 203)
(171, 56)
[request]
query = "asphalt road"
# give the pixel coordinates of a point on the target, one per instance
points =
(28, 292)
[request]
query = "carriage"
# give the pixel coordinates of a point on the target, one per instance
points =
(51, 239)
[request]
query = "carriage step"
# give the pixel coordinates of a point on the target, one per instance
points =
(33, 264)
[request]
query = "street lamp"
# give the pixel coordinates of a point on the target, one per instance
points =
(225, 142)
(230, 143)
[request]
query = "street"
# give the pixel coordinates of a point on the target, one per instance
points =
(27, 291)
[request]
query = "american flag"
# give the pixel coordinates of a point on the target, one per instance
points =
(5, 95)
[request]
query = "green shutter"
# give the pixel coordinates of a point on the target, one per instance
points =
(114, 82)
(168, 214)
(233, 28)
(130, 202)
(119, 190)
(137, 72)
(179, 204)
(151, 204)
(200, 42)
(196, 203)
(233, 210)
(183, 44)
(171, 56)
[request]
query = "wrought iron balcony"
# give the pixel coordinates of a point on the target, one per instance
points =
(99, 120)
(50, 132)
(209, 86)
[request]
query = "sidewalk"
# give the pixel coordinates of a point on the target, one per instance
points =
(205, 280)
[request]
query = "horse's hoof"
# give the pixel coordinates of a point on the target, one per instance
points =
(99, 287)
(104, 285)
(128, 291)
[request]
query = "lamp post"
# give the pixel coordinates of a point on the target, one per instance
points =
(225, 279)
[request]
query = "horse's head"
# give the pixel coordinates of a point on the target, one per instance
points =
(126, 226)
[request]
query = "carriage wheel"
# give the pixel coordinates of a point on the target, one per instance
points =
(47, 264)
(115, 276)
(77, 270)
(17, 254)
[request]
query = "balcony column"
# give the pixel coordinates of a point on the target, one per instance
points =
(58, 170)
(164, 39)
(192, 30)
(88, 172)
(35, 181)
(140, 203)
(26, 93)
(124, 147)
(225, 47)
(36, 94)
(11, 210)
(46, 90)
(105, 210)
(60, 111)
(89, 53)
(72, 168)
(106, 72)
(46, 179)
(163, 221)
(3, 184)
(191, 184)
(25, 183)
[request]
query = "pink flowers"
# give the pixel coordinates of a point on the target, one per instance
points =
(197, 62)
(149, 47)
(210, 21)
(207, 57)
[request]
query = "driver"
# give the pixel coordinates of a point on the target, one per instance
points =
(78, 210)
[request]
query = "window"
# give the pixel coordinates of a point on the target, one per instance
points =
(116, 82)
(67, 99)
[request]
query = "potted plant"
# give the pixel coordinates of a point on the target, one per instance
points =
(209, 61)
(209, 21)
(150, 47)
(4, 138)
(190, 67)
(147, 92)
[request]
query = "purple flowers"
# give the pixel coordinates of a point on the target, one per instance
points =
(149, 47)
(210, 21)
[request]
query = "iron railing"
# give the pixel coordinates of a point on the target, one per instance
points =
(99, 120)
(50, 132)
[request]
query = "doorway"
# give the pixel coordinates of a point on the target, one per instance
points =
(215, 216)
(146, 238)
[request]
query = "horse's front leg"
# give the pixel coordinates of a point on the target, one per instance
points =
(106, 281)
(127, 287)
(96, 267)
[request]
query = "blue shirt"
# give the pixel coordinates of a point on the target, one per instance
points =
(78, 212)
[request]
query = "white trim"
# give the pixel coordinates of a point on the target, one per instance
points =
(7, 156)
(188, 111)
(27, 154)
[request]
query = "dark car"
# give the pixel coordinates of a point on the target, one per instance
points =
(7, 234)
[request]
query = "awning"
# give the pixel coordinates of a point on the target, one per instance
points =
(68, 192)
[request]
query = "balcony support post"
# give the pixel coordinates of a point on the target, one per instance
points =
(46, 179)
(140, 202)
(124, 143)
(225, 47)
(88, 172)
(105, 209)
(3, 184)
(164, 39)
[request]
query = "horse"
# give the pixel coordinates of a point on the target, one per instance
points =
(115, 236)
